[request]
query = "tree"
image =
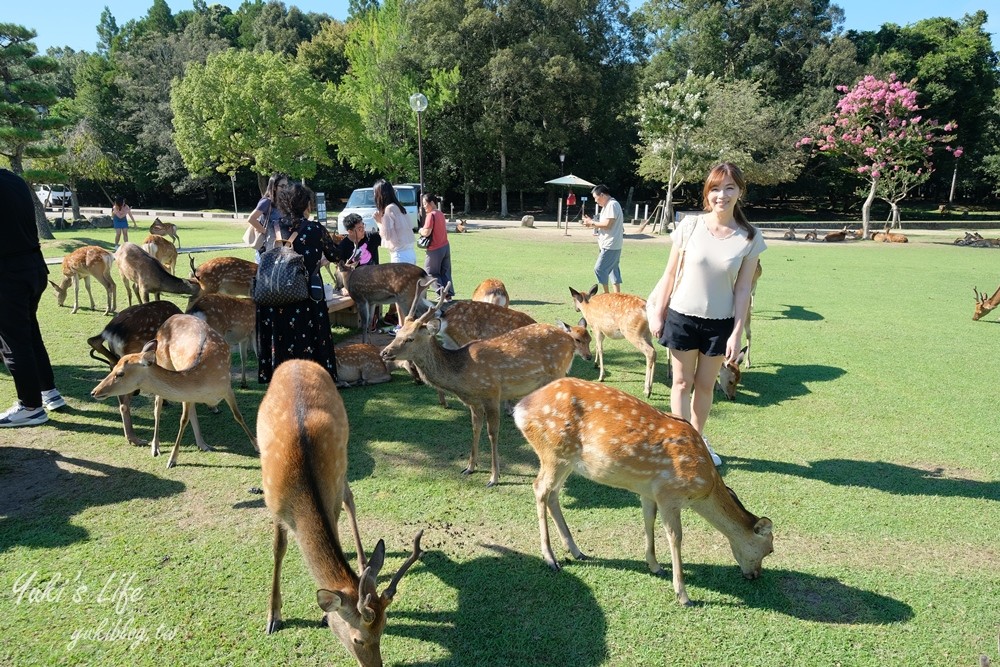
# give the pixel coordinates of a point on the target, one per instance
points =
(25, 99)
(324, 55)
(223, 123)
(879, 127)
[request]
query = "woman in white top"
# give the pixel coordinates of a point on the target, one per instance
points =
(698, 308)
(394, 225)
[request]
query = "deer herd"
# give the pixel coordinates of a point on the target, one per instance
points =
(482, 351)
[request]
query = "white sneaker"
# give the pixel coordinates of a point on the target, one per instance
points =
(715, 457)
(18, 415)
(52, 399)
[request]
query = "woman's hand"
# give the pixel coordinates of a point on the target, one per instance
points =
(733, 347)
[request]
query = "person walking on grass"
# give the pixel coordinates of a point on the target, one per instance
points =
(610, 237)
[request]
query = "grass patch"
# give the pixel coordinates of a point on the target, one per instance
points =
(864, 430)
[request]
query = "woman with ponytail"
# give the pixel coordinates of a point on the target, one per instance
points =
(698, 309)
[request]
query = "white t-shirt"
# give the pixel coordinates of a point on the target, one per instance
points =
(611, 238)
(710, 267)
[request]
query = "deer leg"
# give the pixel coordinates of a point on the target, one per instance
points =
(543, 487)
(238, 416)
(364, 315)
(352, 517)
(243, 364)
(185, 416)
(192, 415)
(154, 444)
(76, 294)
(125, 409)
(599, 341)
(671, 517)
(493, 432)
(274, 604)
(645, 345)
(551, 485)
(86, 283)
(477, 429)
(649, 517)
(109, 286)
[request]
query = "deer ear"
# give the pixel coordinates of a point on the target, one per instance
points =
(763, 526)
(149, 347)
(562, 325)
(582, 322)
(329, 601)
(434, 326)
(593, 291)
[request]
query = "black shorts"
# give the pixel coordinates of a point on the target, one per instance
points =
(687, 332)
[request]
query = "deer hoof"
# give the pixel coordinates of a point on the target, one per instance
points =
(492, 483)
(272, 626)
(554, 566)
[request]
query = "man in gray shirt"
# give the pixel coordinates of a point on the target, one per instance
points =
(610, 235)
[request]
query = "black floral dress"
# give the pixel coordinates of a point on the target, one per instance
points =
(299, 330)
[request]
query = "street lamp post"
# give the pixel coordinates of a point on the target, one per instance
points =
(562, 160)
(418, 102)
(232, 178)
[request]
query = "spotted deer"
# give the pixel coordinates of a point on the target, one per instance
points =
(163, 250)
(811, 236)
(492, 290)
(984, 305)
(486, 372)
(616, 439)
(223, 275)
(789, 234)
(617, 315)
(303, 431)
(127, 333)
(360, 364)
(87, 262)
(161, 228)
(462, 322)
(146, 276)
(235, 318)
(188, 362)
(380, 284)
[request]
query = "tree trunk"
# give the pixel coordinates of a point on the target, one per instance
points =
(895, 215)
(468, 197)
(503, 183)
(41, 222)
(669, 206)
(866, 209)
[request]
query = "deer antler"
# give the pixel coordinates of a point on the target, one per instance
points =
(980, 297)
(390, 591)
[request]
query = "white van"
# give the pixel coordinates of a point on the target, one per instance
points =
(362, 202)
(54, 195)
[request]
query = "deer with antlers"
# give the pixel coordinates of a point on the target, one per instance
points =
(160, 228)
(303, 431)
(223, 275)
(127, 333)
(984, 305)
(146, 276)
(381, 284)
(616, 439)
(188, 362)
(617, 315)
(162, 250)
(87, 262)
(493, 291)
(486, 372)
(235, 318)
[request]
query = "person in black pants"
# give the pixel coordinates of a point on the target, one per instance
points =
(23, 277)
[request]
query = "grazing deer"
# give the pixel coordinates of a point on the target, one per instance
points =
(616, 439)
(224, 275)
(984, 305)
(811, 236)
(730, 376)
(377, 284)
(146, 275)
(789, 235)
(492, 290)
(360, 364)
(163, 250)
(303, 431)
(86, 262)
(127, 333)
(233, 317)
(486, 372)
(188, 363)
(617, 315)
(836, 237)
(161, 228)
(462, 322)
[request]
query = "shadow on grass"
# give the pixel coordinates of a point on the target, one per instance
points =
(42, 494)
(787, 383)
(510, 611)
(887, 477)
(796, 594)
(790, 312)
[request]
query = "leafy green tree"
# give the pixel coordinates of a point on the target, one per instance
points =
(25, 99)
(107, 32)
(222, 123)
(325, 54)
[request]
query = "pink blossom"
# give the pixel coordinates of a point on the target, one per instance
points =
(958, 152)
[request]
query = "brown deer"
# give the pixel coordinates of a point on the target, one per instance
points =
(617, 315)
(730, 376)
(486, 372)
(127, 333)
(984, 305)
(616, 439)
(461, 227)
(492, 290)
(379, 284)
(163, 250)
(147, 276)
(188, 363)
(87, 262)
(233, 317)
(224, 275)
(836, 237)
(161, 228)
(462, 322)
(811, 236)
(360, 364)
(789, 234)
(303, 432)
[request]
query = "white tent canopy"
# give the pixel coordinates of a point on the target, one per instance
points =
(571, 181)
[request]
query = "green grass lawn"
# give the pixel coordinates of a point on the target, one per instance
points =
(866, 430)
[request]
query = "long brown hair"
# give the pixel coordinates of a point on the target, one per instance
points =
(715, 177)
(385, 194)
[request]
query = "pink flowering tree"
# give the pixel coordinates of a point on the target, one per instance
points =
(878, 126)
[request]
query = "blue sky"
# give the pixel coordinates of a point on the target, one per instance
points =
(62, 23)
